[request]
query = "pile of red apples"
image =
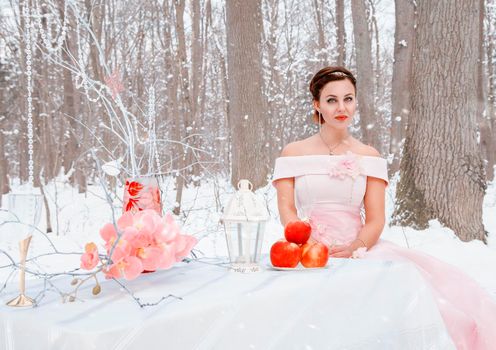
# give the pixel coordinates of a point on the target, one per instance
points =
(297, 249)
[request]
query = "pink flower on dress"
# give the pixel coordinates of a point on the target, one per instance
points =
(90, 258)
(348, 166)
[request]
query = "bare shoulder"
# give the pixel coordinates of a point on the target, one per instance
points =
(364, 150)
(298, 148)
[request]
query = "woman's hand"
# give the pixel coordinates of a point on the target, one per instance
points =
(340, 251)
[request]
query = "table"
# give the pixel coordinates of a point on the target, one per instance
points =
(352, 304)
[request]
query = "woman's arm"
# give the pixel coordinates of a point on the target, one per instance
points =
(374, 203)
(285, 189)
(285, 200)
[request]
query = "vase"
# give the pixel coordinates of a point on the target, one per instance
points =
(142, 193)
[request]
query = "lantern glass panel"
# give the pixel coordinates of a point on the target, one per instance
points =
(244, 241)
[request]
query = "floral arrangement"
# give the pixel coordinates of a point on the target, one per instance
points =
(139, 242)
(348, 166)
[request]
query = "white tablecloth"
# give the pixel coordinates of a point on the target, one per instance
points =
(352, 304)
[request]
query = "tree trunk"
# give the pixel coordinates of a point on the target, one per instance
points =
(369, 122)
(488, 122)
(196, 86)
(319, 21)
(340, 33)
(69, 107)
(224, 91)
(185, 157)
(400, 92)
(275, 87)
(442, 174)
(4, 180)
(247, 105)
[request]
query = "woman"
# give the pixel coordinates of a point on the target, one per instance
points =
(330, 177)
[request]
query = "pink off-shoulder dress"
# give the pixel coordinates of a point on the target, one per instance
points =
(329, 191)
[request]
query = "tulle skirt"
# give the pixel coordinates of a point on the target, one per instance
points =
(468, 311)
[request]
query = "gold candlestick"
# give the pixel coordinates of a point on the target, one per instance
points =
(22, 300)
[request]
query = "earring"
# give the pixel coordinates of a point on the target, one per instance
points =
(320, 121)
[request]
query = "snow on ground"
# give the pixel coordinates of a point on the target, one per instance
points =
(76, 219)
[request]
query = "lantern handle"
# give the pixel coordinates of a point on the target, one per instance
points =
(244, 184)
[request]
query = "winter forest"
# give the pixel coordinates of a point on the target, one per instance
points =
(203, 89)
(197, 90)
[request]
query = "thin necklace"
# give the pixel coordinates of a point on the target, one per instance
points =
(331, 149)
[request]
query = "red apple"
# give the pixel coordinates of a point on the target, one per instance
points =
(314, 255)
(297, 232)
(285, 254)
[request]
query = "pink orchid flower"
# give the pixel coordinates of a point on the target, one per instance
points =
(126, 220)
(137, 238)
(171, 229)
(150, 257)
(122, 250)
(149, 221)
(184, 244)
(168, 258)
(108, 233)
(90, 257)
(129, 267)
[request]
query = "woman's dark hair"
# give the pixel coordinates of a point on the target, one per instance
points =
(324, 76)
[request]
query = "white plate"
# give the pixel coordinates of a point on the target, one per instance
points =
(298, 267)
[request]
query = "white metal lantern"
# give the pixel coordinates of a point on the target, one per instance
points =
(244, 224)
